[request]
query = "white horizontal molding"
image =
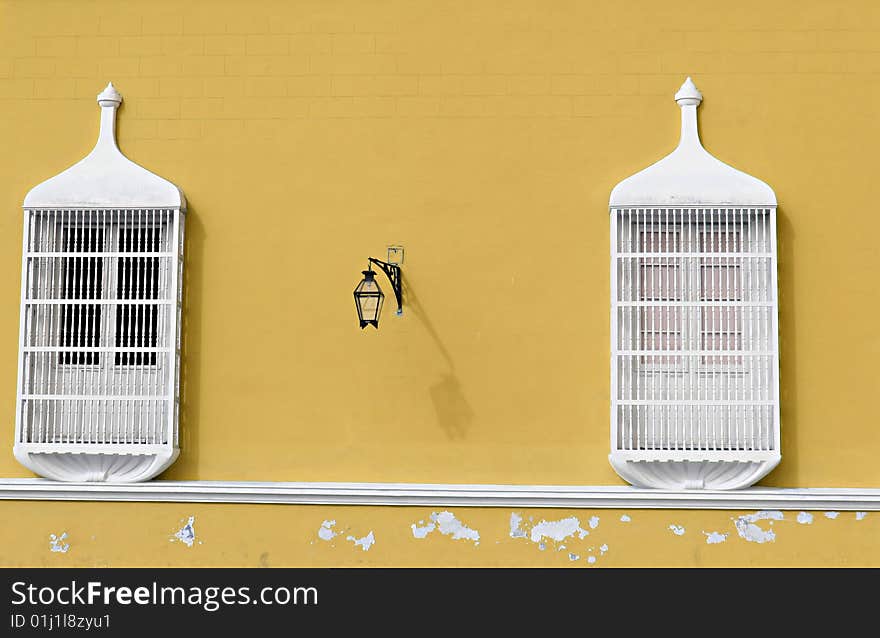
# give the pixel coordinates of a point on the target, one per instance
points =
(444, 495)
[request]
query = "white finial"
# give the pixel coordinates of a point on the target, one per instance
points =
(109, 96)
(688, 94)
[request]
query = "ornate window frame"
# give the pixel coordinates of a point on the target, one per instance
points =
(99, 340)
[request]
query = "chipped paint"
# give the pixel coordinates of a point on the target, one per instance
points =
(557, 530)
(677, 530)
(804, 518)
(625, 519)
(325, 532)
(515, 530)
(861, 515)
(748, 530)
(446, 523)
(421, 530)
(591, 559)
(594, 522)
(832, 515)
(365, 543)
(573, 557)
(713, 538)
(603, 548)
(187, 533)
(57, 544)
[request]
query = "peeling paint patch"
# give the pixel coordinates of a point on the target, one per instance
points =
(515, 530)
(421, 530)
(448, 525)
(861, 515)
(746, 528)
(57, 544)
(625, 519)
(187, 533)
(594, 522)
(713, 538)
(573, 557)
(325, 532)
(832, 515)
(678, 530)
(365, 543)
(558, 530)
(804, 518)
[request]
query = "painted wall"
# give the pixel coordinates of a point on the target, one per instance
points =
(484, 138)
(182, 534)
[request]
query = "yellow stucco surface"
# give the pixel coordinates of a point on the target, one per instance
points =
(485, 138)
(144, 534)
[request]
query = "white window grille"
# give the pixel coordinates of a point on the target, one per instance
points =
(694, 361)
(99, 354)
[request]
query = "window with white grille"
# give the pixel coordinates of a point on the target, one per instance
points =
(694, 338)
(99, 363)
(694, 348)
(97, 311)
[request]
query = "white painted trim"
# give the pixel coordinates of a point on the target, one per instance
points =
(444, 495)
(106, 178)
(690, 175)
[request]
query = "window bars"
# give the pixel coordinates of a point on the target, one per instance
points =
(97, 349)
(694, 321)
(693, 350)
(101, 298)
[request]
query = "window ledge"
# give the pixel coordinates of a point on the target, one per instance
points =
(444, 495)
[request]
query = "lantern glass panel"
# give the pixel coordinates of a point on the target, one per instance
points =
(369, 299)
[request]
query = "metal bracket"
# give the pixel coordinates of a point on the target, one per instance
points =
(392, 271)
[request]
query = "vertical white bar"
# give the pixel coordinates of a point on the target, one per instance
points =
(106, 353)
(743, 346)
(92, 293)
(67, 321)
(665, 294)
(614, 328)
(153, 240)
(710, 308)
(691, 363)
(632, 314)
(702, 320)
(172, 332)
(724, 341)
(629, 343)
(774, 332)
(165, 323)
(57, 293)
(178, 333)
(22, 411)
(48, 315)
(764, 329)
(36, 370)
(642, 320)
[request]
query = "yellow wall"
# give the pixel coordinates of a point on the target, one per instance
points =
(485, 138)
(143, 534)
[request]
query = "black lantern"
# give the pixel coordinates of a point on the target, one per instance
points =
(368, 297)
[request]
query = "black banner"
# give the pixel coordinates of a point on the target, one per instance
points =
(284, 601)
